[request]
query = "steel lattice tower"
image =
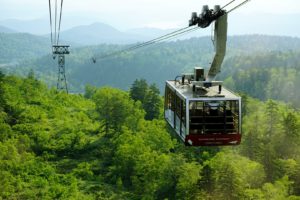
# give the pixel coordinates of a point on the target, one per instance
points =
(61, 51)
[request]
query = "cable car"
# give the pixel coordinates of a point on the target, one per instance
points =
(197, 107)
(203, 116)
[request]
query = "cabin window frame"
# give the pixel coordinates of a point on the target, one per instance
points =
(176, 105)
(234, 104)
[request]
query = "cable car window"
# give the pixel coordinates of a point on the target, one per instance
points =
(196, 110)
(175, 111)
(183, 119)
(169, 105)
(233, 112)
(178, 112)
(214, 117)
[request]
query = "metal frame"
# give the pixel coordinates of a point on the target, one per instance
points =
(61, 51)
(216, 99)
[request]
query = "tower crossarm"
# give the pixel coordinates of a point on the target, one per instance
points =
(60, 49)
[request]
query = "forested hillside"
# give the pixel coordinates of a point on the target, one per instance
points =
(100, 146)
(272, 75)
(19, 46)
(165, 61)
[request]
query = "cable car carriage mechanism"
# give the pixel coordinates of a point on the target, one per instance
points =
(198, 108)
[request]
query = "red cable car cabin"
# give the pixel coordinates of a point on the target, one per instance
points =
(205, 117)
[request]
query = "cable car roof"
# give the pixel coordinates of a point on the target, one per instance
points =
(211, 93)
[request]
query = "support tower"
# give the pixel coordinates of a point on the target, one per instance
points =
(60, 51)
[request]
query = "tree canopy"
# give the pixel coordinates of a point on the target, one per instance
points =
(66, 146)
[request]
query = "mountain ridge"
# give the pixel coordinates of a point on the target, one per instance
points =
(99, 33)
(239, 24)
(4, 29)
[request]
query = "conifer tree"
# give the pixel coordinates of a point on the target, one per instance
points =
(139, 90)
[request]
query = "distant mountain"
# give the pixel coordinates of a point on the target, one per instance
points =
(4, 29)
(18, 46)
(99, 33)
(93, 34)
(41, 26)
(238, 24)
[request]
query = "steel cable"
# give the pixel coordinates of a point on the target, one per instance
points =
(61, 6)
(164, 37)
(239, 5)
(55, 28)
(153, 41)
(51, 22)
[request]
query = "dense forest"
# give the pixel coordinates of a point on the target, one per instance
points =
(112, 144)
(160, 62)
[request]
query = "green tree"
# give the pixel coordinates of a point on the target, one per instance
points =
(138, 90)
(31, 74)
(149, 96)
(143, 164)
(89, 91)
(279, 190)
(291, 137)
(2, 100)
(232, 174)
(271, 132)
(152, 103)
(116, 109)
